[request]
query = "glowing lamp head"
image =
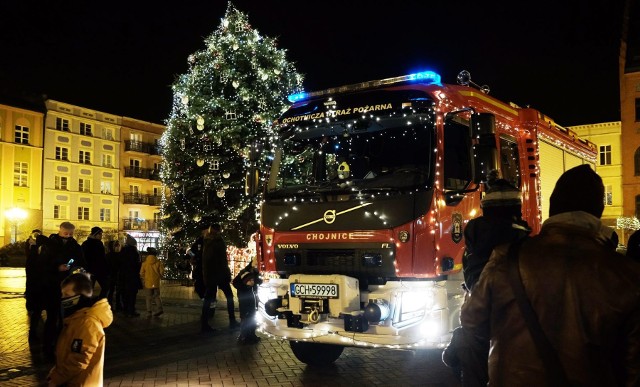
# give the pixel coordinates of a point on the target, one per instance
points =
(297, 97)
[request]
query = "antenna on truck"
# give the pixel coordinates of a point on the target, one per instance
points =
(464, 78)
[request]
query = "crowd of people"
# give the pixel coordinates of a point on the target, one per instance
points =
(62, 274)
(558, 308)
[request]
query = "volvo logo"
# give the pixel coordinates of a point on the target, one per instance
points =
(329, 216)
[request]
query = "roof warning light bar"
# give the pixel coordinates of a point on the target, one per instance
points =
(428, 77)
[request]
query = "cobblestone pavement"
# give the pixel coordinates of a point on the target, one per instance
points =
(170, 351)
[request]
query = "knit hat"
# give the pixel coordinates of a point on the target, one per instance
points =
(246, 277)
(578, 189)
(95, 230)
(130, 241)
(501, 193)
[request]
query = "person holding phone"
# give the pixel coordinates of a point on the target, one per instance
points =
(60, 255)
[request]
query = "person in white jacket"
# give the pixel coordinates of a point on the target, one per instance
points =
(151, 273)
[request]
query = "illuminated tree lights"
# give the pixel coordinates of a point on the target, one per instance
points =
(222, 107)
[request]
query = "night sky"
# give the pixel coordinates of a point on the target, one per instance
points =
(122, 57)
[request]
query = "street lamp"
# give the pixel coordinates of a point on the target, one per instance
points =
(15, 215)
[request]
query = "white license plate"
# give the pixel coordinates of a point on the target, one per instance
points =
(314, 290)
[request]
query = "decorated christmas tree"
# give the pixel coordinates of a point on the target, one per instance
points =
(223, 107)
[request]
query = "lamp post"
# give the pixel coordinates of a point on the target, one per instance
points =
(15, 215)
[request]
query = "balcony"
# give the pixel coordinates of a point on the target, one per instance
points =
(139, 224)
(138, 198)
(142, 147)
(142, 173)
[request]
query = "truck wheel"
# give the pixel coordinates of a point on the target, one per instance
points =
(316, 354)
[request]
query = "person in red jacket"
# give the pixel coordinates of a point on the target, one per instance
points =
(81, 343)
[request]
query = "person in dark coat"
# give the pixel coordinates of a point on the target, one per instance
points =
(34, 287)
(246, 282)
(216, 274)
(61, 255)
(585, 296)
(501, 222)
(633, 246)
(114, 261)
(196, 261)
(94, 253)
(129, 273)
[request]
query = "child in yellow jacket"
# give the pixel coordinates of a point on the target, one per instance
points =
(151, 272)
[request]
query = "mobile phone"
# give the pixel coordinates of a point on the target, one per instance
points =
(70, 262)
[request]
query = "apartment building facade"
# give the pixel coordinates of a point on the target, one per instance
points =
(21, 152)
(81, 175)
(141, 188)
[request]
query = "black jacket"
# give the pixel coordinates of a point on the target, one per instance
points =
(95, 255)
(55, 252)
(481, 236)
(215, 267)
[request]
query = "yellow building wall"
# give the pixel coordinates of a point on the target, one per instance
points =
(140, 193)
(29, 197)
(603, 134)
(100, 202)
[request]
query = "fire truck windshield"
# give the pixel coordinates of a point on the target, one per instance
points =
(382, 158)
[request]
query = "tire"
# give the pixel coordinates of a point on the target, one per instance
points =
(315, 354)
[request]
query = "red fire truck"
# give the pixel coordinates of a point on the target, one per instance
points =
(370, 188)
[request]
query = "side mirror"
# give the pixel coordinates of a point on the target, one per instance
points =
(485, 151)
(251, 182)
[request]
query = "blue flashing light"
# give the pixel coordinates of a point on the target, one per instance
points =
(298, 97)
(429, 76)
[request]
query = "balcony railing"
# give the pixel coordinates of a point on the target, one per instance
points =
(143, 173)
(139, 224)
(143, 147)
(137, 198)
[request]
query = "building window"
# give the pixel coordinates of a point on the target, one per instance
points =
(157, 191)
(105, 215)
(134, 214)
(59, 211)
(134, 189)
(20, 174)
(107, 133)
(107, 161)
(84, 157)
(61, 182)
(105, 187)
(608, 196)
(637, 206)
(85, 129)
(62, 124)
(62, 153)
(21, 134)
(605, 154)
(636, 162)
(83, 213)
(84, 185)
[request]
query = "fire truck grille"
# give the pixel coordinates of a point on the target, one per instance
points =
(359, 262)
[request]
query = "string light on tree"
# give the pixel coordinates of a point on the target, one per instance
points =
(237, 76)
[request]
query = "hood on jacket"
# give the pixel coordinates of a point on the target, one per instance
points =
(151, 259)
(101, 311)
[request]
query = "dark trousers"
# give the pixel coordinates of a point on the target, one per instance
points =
(53, 323)
(129, 300)
(210, 296)
(104, 283)
(247, 303)
(114, 294)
